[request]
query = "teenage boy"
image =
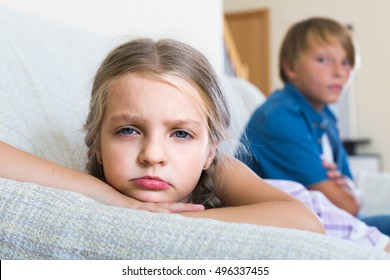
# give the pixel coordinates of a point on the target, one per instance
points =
(294, 135)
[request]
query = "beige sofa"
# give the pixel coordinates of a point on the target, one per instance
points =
(46, 71)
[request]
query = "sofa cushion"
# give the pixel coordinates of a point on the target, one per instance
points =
(46, 71)
(44, 223)
(243, 98)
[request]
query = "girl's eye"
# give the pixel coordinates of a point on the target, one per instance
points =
(182, 134)
(127, 131)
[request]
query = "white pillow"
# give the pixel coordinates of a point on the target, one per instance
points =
(243, 99)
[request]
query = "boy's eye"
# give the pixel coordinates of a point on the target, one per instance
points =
(127, 131)
(322, 59)
(346, 62)
(182, 134)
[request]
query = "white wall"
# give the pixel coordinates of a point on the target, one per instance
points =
(197, 22)
(372, 85)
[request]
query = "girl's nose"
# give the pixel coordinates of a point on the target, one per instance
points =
(153, 153)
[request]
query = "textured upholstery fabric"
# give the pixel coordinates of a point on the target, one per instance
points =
(46, 70)
(375, 189)
(44, 223)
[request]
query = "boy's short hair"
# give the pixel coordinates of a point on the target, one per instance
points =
(322, 30)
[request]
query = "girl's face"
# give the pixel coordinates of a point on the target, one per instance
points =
(320, 73)
(154, 140)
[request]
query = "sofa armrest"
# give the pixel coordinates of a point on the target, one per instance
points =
(375, 188)
(42, 223)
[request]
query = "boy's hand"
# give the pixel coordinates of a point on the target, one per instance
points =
(342, 181)
(334, 174)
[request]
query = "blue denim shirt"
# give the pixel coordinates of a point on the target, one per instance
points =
(283, 139)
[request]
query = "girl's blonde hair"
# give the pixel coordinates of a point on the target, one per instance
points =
(321, 30)
(160, 59)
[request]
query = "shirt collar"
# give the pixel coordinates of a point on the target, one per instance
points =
(315, 117)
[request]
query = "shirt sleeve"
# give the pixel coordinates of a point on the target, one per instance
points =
(281, 146)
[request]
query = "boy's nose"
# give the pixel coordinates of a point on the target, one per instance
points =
(339, 69)
(153, 153)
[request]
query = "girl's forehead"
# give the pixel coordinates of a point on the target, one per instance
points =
(170, 82)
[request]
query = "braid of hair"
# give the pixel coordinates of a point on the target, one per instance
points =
(205, 191)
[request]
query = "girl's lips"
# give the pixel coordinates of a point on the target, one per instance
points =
(151, 183)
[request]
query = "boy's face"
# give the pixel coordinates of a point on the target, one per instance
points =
(320, 73)
(154, 140)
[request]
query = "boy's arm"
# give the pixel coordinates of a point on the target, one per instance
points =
(339, 189)
(248, 199)
(304, 166)
(18, 165)
(341, 195)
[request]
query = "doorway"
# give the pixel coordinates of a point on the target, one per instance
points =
(250, 32)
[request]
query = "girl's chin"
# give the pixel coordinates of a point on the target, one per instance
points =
(150, 197)
(155, 197)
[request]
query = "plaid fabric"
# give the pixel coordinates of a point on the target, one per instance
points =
(337, 222)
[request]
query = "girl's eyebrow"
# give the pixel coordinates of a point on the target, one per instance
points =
(127, 118)
(183, 122)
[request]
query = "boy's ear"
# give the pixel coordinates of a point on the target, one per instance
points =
(289, 70)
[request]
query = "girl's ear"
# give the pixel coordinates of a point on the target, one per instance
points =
(99, 157)
(289, 70)
(98, 152)
(210, 157)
